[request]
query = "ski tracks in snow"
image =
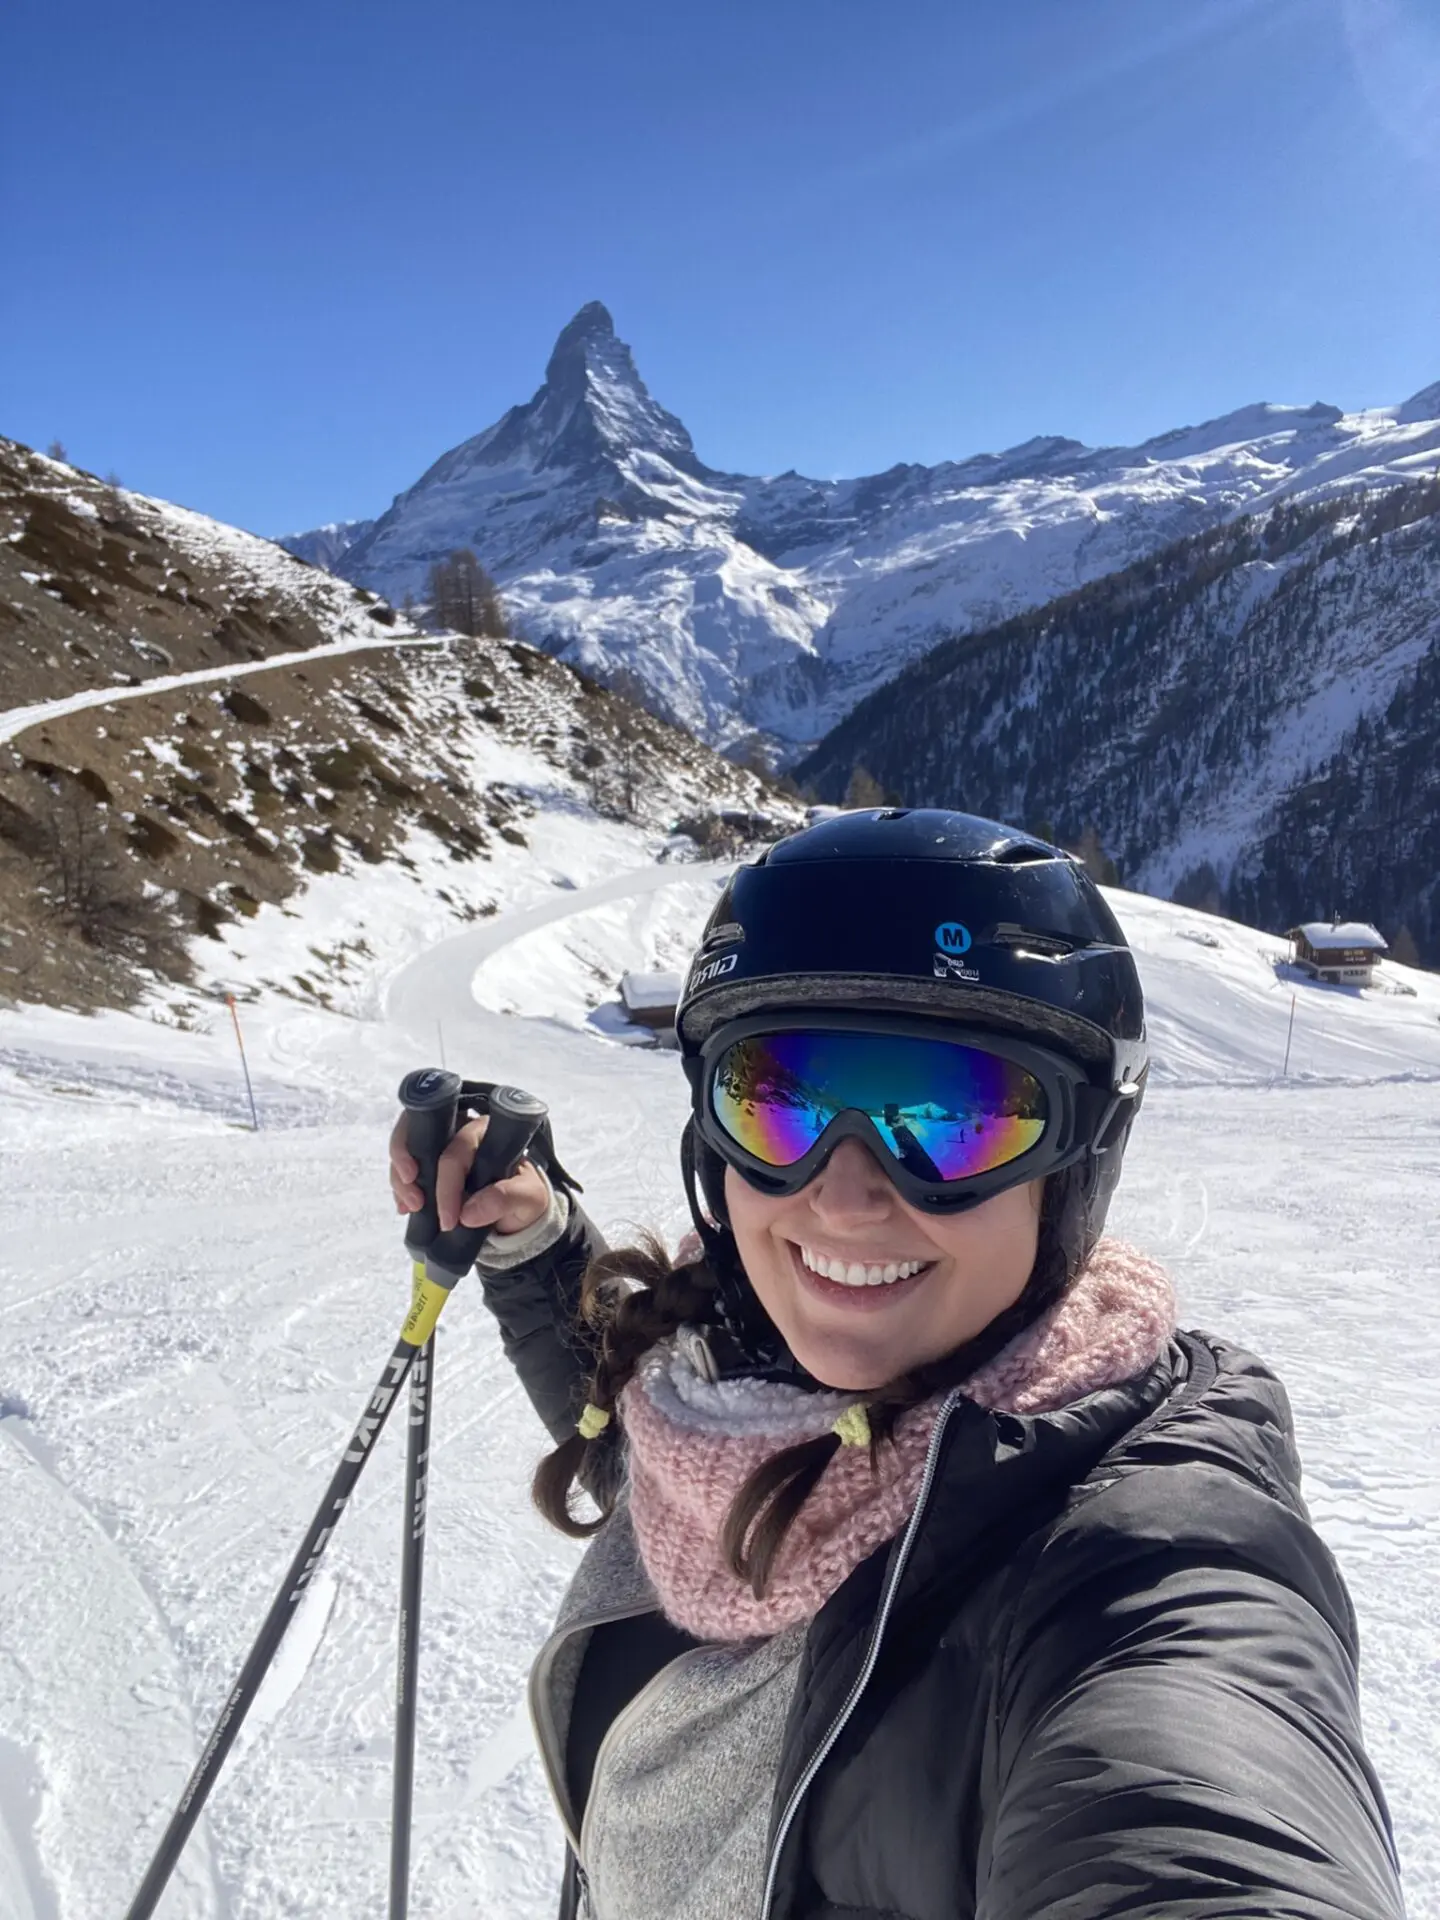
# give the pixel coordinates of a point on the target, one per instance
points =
(87, 1647)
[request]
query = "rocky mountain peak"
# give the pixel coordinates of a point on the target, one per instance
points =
(594, 401)
(592, 325)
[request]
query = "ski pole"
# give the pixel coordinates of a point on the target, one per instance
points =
(431, 1098)
(407, 1665)
(432, 1121)
(513, 1117)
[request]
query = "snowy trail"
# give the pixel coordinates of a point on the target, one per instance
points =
(194, 1313)
(437, 984)
(19, 719)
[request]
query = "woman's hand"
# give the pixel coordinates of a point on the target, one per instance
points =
(509, 1206)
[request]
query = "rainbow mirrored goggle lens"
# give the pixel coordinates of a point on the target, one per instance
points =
(945, 1110)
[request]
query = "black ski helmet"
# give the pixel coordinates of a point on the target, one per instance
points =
(922, 911)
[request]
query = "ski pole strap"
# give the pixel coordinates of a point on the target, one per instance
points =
(513, 1119)
(476, 1096)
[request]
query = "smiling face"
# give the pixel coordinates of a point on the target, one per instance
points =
(861, 1285)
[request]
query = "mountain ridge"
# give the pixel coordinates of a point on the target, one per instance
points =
(770, 605)
(1246, 719)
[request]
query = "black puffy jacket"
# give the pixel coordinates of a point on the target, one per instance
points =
(1108, 1668)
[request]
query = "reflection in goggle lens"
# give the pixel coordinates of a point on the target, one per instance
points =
(946, 1111)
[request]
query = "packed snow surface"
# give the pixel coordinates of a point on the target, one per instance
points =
(195, 1313)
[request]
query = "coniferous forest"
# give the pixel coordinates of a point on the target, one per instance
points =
(1248, 721)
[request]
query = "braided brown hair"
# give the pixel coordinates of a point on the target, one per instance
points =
(636, 1297)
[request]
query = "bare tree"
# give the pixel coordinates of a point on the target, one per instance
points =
(465, 599)
(87, 885)
(626, 682)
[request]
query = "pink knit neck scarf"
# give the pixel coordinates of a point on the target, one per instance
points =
(693, 1445)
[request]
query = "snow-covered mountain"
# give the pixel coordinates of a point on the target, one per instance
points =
(776, 604)
(327, 546)
(1249, 720)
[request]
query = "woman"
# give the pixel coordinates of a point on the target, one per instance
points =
(938, 1575)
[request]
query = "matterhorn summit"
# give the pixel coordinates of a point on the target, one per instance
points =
(773, 605)
(616, 547)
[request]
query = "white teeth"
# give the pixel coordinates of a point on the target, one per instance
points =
(856, 1274)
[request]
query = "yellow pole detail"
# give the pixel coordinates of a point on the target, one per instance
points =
(425, 1306)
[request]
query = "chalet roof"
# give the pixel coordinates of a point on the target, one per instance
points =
(1343, 933)
(649, 990)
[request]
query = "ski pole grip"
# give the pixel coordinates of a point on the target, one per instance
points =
(430, 1097)
(514, 1118)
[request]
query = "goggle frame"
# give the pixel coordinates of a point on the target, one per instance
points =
(1078, 1119)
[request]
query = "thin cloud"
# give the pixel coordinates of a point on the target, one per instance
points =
(1395, 48)
(1196, 24)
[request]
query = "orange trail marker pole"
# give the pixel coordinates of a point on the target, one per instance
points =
(245, 1064)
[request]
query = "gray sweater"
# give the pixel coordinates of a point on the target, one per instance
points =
(679, 1809)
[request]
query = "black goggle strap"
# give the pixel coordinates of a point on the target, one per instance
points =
(1100, 1113)
(704, 1175)
(750, 1346)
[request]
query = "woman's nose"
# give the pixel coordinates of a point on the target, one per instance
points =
(851, 1185)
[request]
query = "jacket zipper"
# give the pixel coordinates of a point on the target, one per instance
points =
(872, 1652)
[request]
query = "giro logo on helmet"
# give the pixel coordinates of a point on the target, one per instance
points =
(949, 966)
(952, 937)
(712, 970)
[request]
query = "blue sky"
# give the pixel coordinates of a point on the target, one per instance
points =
(271, 259)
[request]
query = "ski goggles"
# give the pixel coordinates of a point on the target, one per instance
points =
(952, 1114)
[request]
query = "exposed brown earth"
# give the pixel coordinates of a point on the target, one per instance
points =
(128, 829)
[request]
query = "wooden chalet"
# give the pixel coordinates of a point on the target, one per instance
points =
(1342, 951)
(650, 999)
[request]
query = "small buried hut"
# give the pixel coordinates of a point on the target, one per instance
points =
(650, 999)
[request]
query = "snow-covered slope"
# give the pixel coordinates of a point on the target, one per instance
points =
(775, 604)
(194, 1314)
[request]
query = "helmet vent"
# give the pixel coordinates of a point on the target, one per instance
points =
(1021, 853)
(1048, 946)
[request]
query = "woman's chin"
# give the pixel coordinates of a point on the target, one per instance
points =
(836, 1363)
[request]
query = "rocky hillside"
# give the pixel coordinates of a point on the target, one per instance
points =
(1248, 721)
(772, 606)
(158, 778)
